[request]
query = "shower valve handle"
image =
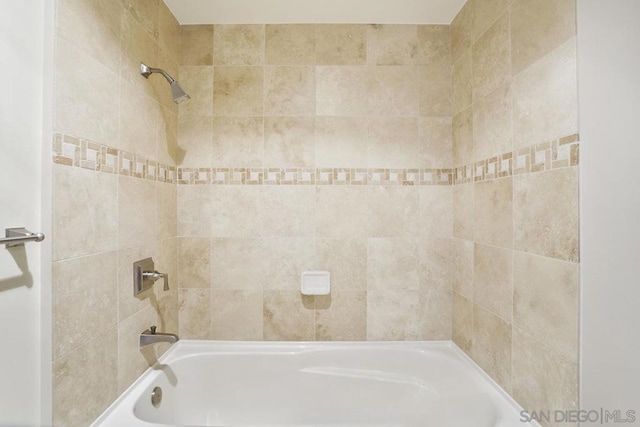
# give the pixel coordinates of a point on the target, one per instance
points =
(155, 275)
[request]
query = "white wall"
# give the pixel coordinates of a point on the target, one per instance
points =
(609, 81)
(23, 360)
(315, 11)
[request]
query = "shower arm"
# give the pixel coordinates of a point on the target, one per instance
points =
(147, 71)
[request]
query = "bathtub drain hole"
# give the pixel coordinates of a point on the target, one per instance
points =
(156, 397)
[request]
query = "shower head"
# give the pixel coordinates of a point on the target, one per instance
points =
(177, 92)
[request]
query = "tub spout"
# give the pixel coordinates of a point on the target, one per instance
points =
(150, 336)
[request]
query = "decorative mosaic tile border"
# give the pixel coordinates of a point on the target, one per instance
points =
(560, 153)
(314, 176)
(71, 151)
(77, 152)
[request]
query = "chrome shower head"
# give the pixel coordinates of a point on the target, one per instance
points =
(177, 92)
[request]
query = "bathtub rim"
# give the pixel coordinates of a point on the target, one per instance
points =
(184, 345)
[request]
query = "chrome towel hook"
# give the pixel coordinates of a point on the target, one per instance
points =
(18, 237)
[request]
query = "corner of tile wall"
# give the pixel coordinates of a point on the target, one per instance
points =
(516, 215)
(114, 197)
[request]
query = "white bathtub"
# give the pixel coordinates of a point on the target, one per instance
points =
(213, 383)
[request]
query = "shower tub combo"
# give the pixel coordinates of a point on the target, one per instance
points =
(213, 383)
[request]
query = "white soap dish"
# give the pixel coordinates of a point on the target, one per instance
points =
(315, 283)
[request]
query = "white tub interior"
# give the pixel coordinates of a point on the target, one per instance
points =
(207, 383)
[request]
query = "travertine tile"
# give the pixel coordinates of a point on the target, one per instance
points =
(288, 316)
(493, 280)
(84, 292)
(485, 13)
(289, 211)
(461, 83)
(436, 315)
(392, 211)
(463, 211)
(195, 136)
(90, 370)
(462, 130)
(290, 44)
(393, 142)
(491, 347)
(546, 213)
(167, 319)
(94, 117)
(166, 210)
(237, 211)
(493, 224)
(346, 260)
(389, 44)
(462, 322)
(461, 30)
(194, 313)
(436, 211)
(238, 141)
(139, 136)
(194, 262)
(435, 90)
(128, 305)
(194, 210)
(491, 59)
(542, 378)
(238, 45)
(289, 142)
(197, 81)
(463, 263)
(546, 303)
(394, 315)
(341, 212)
(94, 26)
(492, 133)
(434, 45)
(537, 29)
(138, 46)
(133, 361)
(284, 261)
(168, 151)
(343, 91)
(196, 45)
(392, 264)
(436, 139)
(146, 13)
(85, 218)
(341, 44)
(168, 32)
(290, 91)
(436, 264)
(545, 98)
(236, 315)
(238, 91)
(341, 316)
(136, 221)
(393, 91)
(341, 142)
(238, 264)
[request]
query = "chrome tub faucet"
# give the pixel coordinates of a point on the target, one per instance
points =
(150, 336)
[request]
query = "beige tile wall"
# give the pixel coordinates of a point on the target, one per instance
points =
(307, 97)
(500, 79)
(515, 248)
(104, 220)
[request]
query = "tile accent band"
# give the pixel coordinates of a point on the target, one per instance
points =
(77, 152)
